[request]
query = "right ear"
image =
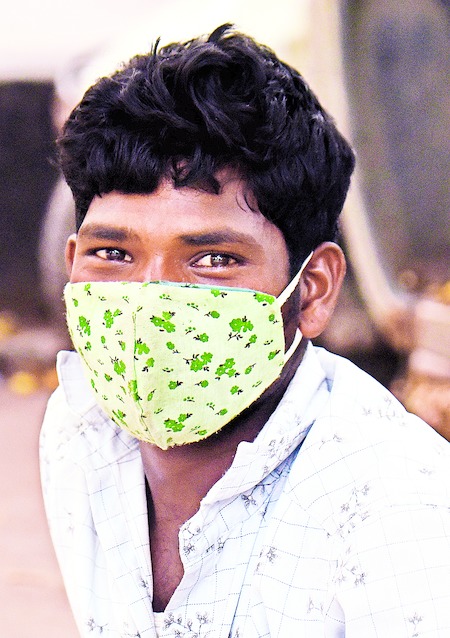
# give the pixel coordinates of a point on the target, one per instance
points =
(69, 254)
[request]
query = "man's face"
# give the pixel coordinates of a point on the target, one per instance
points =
(181, 235)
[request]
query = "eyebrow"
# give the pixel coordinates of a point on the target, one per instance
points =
(218, 237)
(107, 233)
(118, 234)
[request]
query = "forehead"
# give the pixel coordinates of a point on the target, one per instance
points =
(181, 212)
(171, 234)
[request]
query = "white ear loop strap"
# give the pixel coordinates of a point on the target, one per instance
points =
(287, 292)
(284, 297)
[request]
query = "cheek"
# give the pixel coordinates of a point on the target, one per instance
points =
(80, 271)
(76, 271)
(291, 316)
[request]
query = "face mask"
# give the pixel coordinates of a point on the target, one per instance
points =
(172, 363)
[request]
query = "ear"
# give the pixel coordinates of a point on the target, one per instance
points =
(320, 285)
(69, 254)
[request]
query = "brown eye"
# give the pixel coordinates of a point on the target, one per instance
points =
(113, 254)
(215, 260)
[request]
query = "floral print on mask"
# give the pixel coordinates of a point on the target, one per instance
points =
(173, 363)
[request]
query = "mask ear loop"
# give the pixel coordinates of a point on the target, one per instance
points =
(287, 292)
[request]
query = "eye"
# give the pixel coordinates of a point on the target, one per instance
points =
(113, 254)
(215, 260)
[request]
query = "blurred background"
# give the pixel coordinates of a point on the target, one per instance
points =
(381, 67)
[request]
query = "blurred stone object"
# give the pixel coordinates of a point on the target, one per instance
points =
(58, 224)
(425, 388)
(382, 69)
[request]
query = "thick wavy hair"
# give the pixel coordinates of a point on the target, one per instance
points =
(188, 110)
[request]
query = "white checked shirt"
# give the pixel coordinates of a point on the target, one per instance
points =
(334, 522)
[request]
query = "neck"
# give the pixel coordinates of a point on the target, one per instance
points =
(180, 477)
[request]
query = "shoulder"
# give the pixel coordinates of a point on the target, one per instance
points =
(79, 449)
(365, 450)
(72, 414)
(75, 429)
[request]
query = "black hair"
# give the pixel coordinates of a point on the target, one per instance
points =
(188, 110)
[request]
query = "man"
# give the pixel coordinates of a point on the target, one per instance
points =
(206, 470)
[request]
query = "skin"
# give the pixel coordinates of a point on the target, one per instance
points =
(187, 235)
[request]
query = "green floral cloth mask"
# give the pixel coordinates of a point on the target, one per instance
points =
(172, 363)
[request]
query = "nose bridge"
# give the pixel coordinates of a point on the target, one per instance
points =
(159, 267)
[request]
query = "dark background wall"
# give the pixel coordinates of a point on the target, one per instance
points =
(27, 175)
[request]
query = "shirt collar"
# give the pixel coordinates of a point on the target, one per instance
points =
(284, 431)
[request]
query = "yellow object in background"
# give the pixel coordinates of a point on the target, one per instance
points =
(8, 325)
(23, 383)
